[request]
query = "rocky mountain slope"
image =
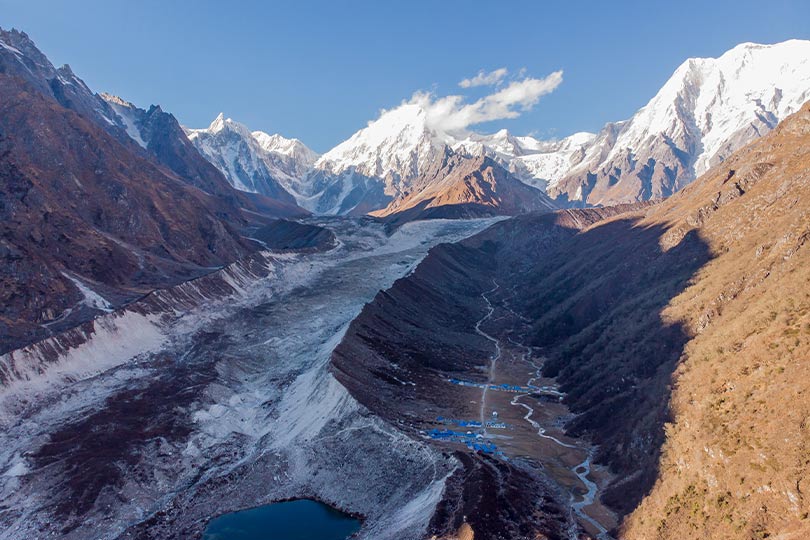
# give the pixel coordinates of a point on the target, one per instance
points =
(464, 188)
(675, 330)
(19, 57)
(92, 218)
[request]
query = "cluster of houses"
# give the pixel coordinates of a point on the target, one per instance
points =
(497, 387)
(473, 441)
(492, 424)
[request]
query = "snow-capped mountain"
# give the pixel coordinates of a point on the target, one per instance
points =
(254, 161)
(706, 110)
(378, 164)
(398, 156)
(533, 161)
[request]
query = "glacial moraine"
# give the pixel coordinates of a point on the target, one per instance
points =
(230, 406)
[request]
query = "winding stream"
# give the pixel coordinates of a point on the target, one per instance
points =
(581, 470)
(495, 356)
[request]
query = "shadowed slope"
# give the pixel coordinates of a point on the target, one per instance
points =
(705, 294)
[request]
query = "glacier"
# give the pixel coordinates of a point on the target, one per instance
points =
(222, 400)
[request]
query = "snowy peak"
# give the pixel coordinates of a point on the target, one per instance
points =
(397, 143)
(708, 108)
(387, 159)
(254, 161)
(218, 124)
(287, 147)
(221, 123)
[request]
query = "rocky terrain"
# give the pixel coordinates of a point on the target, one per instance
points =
(467, 188)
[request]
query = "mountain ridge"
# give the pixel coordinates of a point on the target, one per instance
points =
(708, 108)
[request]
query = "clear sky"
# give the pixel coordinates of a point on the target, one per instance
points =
(321, 70)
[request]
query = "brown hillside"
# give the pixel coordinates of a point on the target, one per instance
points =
(76, 201)
(735, 462)
(468, 188)
(679, 331)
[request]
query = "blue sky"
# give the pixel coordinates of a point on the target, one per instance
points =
(321, 70)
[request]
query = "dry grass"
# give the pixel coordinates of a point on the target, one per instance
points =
(735, 462)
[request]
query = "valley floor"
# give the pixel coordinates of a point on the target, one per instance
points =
(520, 414)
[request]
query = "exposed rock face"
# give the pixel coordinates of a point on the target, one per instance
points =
(19, 57)
(467, 187)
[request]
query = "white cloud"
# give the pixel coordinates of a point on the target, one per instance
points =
(485, 79)
(452, 114)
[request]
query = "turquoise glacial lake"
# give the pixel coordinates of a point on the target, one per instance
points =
(293, 520)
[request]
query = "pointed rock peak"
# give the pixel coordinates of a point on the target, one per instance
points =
(66, 70)
(218, 124)
(116, 100)
(15, 36)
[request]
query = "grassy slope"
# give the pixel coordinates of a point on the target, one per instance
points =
(735, 461)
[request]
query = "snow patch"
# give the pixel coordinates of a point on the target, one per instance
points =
(91, 298)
